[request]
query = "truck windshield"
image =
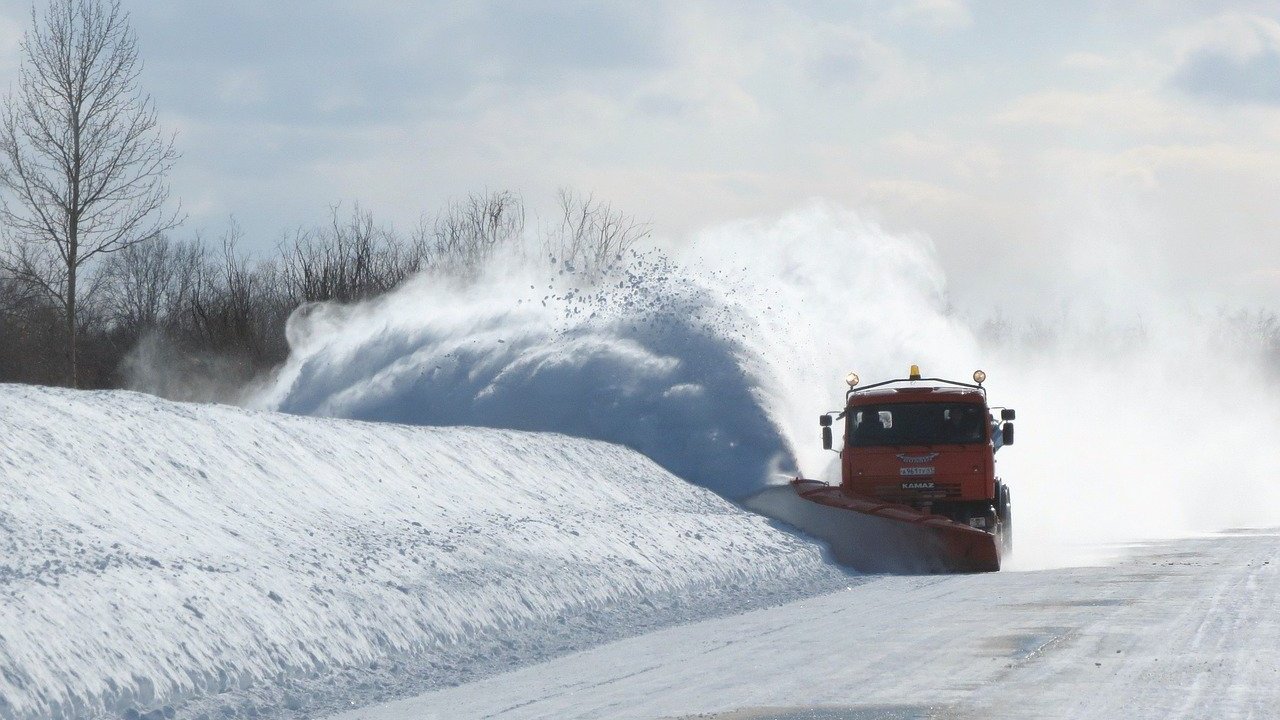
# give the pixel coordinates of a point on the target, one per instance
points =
(916, 424)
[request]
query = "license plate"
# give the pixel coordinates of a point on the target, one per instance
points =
(915, 471)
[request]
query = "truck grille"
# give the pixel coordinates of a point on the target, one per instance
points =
(939, 491)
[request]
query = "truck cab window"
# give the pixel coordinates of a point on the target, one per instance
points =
(918, 424)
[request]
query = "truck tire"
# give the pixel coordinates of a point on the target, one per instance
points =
(1006, 520)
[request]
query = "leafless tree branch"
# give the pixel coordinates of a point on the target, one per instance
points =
(81, 156)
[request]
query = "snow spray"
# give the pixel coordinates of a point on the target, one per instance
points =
(714, 357)
(643, 357)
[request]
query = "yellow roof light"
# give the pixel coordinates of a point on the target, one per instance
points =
(852, 379)
(979, 376)
(915, 372)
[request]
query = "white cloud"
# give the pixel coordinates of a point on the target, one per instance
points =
(1267, 277)
(1233, 58)
(1117, 112)
(939, 15)
(1092, 62)
(963, 160)
(839, 58)
(242, 87)
(1240, 35)
(1149, 167)
(915, 195)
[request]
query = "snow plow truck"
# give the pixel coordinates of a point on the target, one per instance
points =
(918, 489)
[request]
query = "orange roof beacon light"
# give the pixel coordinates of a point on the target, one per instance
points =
(915, 372)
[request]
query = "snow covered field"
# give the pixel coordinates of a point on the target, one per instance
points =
(207, 560)
(1181, 629)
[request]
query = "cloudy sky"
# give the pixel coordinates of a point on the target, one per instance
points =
(1035, 143)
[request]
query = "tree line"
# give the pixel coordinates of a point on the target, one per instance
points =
(214, 309)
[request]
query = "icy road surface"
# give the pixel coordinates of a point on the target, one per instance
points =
(1187, 629)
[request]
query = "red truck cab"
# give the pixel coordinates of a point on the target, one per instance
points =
(929, 444)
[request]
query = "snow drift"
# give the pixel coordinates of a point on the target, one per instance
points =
(212, 559)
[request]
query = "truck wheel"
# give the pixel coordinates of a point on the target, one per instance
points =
(1006, 520)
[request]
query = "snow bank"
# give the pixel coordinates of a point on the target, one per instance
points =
(218, 560)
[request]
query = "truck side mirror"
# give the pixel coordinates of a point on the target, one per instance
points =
(826, 437)
(1007, 432)
(1008, 414)
(824, 420)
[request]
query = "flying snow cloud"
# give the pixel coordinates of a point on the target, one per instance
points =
(651, 362)
(712, 364)
(714, 359)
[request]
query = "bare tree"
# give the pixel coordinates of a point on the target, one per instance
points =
(592, 236)
(348, 260)
(80, 153)
(466, 235)
(138, 282)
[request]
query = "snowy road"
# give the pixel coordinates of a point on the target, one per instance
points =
(1187, 629)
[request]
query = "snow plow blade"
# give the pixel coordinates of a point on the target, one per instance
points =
(873, 536)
